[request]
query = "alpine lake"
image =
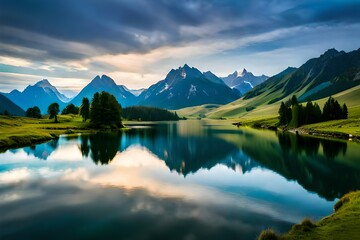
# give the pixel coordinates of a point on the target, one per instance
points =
(192, 179)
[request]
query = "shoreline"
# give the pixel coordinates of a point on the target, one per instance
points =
(303, 131)
(18, 132)
(341, 224)
(53, 131)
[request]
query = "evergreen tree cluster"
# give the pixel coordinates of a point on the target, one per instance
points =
(70, 109)
(149, 114)
(105, 110)
(333, 110)
(294, 114)
(33, 112)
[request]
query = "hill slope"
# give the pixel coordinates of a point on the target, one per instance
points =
(332, 73)
(6, 105)
(320, 77)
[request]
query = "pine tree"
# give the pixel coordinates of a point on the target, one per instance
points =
(85, 109)
(282, 114)
(317, 113)
(294, 100)
(345, 112)
(295, 116)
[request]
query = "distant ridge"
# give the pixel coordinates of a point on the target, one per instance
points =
(41, 94)
(243, 81)
(7, 106)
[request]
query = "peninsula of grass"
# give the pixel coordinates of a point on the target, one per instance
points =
(22, 131)
(342, 224)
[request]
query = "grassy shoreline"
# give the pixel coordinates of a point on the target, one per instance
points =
(348, 129)
(342, 224)
(21, 131)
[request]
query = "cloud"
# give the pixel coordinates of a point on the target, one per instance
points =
(148, 37)
(64, 29)
(21, 81)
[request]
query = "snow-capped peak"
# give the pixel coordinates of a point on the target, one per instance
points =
(43, 83)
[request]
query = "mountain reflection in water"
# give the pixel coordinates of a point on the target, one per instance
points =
(308, 160)
(173, 180)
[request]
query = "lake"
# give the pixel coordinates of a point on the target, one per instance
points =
(173, 180)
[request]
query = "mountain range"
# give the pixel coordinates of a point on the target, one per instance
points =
(320, 77)
(186, 86)
(332, 72)
(243, 81)
(40, 94)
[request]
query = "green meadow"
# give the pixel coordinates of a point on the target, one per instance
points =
(22, 131)
(342, 224)
(256, 112)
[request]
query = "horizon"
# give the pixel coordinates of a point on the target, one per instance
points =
(69, 44)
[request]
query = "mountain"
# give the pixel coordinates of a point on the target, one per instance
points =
(334, 73)
(244, 81)
(213, 78)
(6, 105)
(186, 86)
(41, 94)
(320, 77)
(105, 83)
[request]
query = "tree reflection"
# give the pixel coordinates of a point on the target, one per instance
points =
(84, 145)
(314, 170)
(312, 162)
(103, 146)
(333, 148)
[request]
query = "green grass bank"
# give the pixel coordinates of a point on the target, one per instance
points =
(342, 224)
(21, 131)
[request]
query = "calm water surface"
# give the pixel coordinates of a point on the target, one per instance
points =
(184, 180)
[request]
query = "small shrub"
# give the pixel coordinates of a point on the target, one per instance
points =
(268, 234)
(341, 202)
(305, 226)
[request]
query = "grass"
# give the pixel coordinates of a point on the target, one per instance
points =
(256, 112)
(342, 224)
(344, 126)
(197, 111)
(258, 107)
(22, 131)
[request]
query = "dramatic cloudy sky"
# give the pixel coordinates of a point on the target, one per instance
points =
(137, 42)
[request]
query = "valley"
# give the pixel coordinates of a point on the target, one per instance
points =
(203, 98)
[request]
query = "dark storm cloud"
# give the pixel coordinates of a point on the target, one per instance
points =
(121, 26)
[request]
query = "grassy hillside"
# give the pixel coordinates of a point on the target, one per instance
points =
(22, 131)
(342, 224)
(197, 111)
(333, 73)
(253, 109)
